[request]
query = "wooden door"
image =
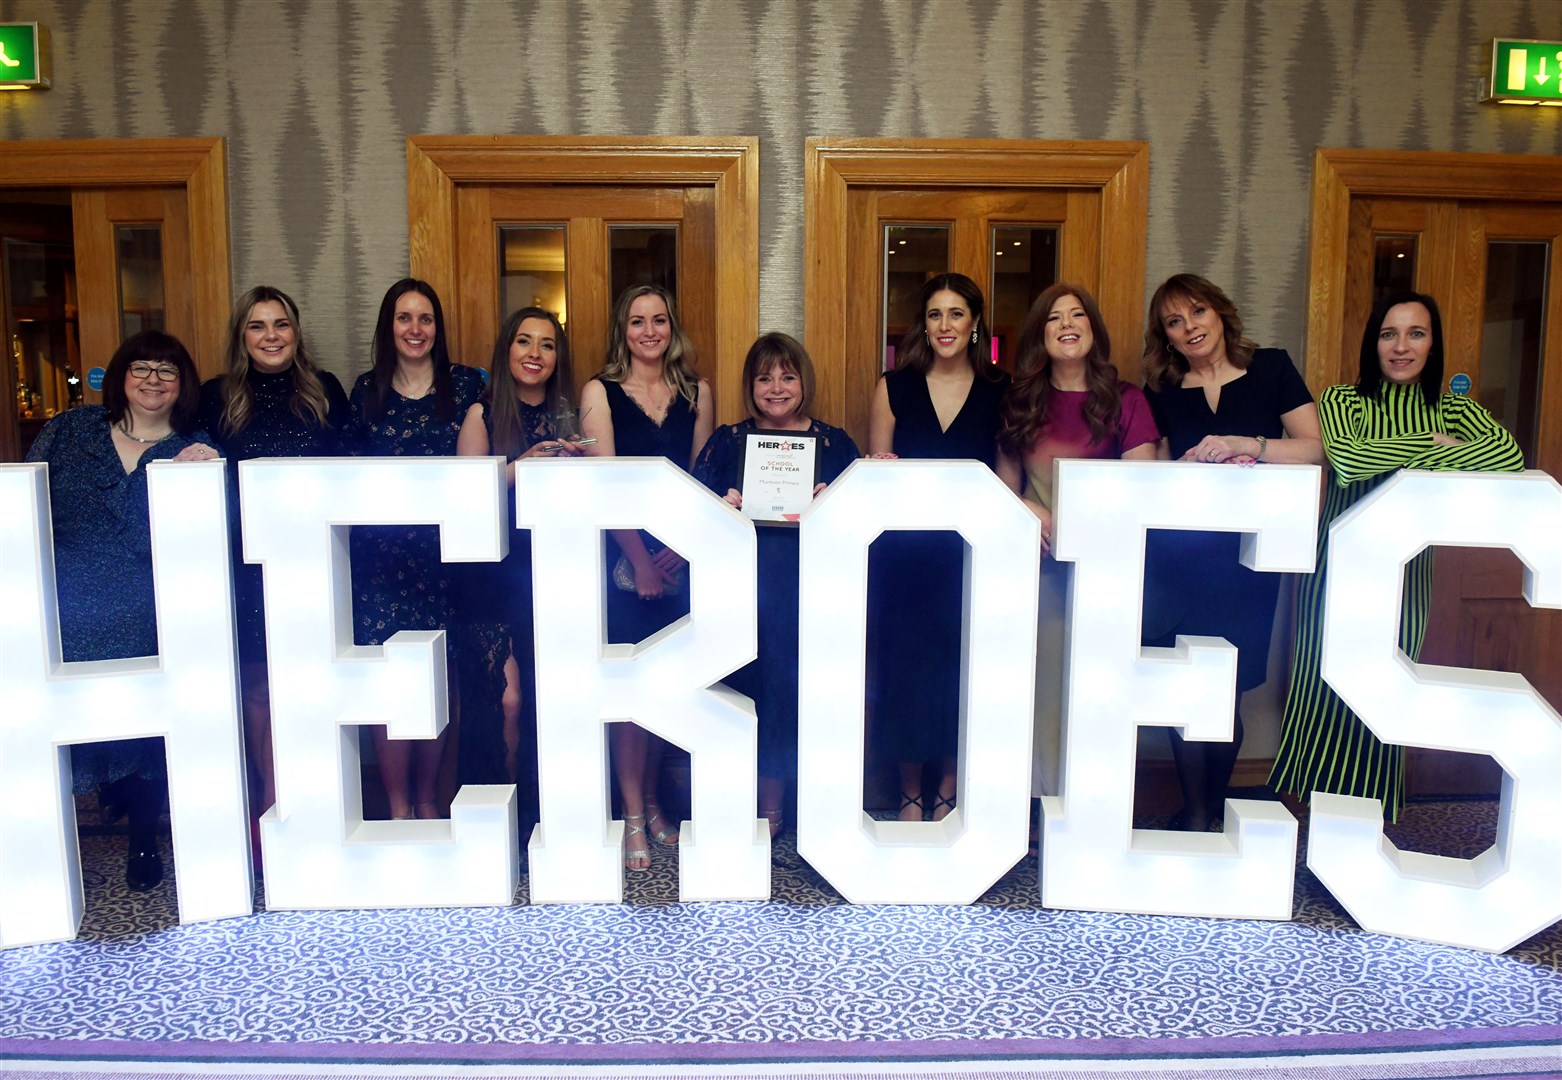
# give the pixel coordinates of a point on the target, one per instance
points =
(462, 188)
(973, 225)
(586, 217)
(1090, 198)
(1495, 268)
(134, 272)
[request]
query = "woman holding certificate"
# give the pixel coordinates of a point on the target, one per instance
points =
(941, 401)
(646, 402)
(779, 436)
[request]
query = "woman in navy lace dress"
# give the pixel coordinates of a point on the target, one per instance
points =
(529, 388)
(411, 403)
(779, 377)
(97, 457)
(273, 402)
(647, 402)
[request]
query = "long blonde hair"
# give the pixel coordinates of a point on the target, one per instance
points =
(308, 403)
(677, 361)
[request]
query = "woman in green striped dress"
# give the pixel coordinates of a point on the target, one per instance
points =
(1394, 417)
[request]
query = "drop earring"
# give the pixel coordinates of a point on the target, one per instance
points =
(973, 335)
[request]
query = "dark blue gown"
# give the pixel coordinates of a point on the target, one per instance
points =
(399, 581)
(771, 680)
(274, 430)
(103, 566)
(635, 434)
(917, 581)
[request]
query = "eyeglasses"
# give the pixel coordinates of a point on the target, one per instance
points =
(162, 372)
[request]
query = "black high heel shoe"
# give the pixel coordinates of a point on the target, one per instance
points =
(143, 867)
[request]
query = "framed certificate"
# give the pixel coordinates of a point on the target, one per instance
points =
(780, 469)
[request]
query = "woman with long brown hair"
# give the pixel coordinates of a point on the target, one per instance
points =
(1066, 402)
(1217, 398)
(411, 403)
(274, 401)
(940, 401)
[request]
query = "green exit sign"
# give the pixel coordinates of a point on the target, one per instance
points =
(1525, 72)
(24, 56)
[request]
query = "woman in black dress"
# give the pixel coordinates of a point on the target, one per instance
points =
(1217, 397)
(97, 457)
(779, 378)
(941, 401)
(273, 402)
(412, 402)
(646, 402)
(529, 389)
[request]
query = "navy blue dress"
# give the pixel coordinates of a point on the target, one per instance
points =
(771, 680)
(494, 615)
(399, 581)
(103, 565)
(635, 434)
(918, 580)
(1194, 583)
(274, 430)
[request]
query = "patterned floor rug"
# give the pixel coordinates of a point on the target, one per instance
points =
(805, 985)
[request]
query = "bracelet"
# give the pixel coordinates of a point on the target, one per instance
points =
(1263, 444)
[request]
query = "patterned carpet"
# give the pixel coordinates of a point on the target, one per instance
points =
(806, 975)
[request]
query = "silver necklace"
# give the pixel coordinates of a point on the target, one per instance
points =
(125, 431)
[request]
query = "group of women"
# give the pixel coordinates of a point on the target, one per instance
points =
(1210, 395)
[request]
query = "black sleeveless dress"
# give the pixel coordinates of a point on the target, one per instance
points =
(918, 579)
(635, 434)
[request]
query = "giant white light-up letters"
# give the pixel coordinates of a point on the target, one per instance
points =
(1513, 889)
(662, 683)
(319, 851)
(184, 694)
(955, 860)
(1092, 856)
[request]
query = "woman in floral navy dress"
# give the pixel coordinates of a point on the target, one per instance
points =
(411, 403)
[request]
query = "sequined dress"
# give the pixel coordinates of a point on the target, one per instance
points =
(103, 565)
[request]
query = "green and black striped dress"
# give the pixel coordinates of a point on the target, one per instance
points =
(1324, 746)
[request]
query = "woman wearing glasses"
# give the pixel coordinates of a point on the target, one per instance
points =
(97, 457)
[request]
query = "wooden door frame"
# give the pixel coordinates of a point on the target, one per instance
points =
(1120, 171)
(436, 164)
(1342, 175)
(199, 165)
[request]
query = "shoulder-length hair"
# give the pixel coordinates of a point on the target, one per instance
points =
(308, 401)
(776, 351)
(504, 411)
(1026, 406)
(385, 352)
(1164, 365)
(677, 362)
(153, 347)
(916, 352)
(1369, 380)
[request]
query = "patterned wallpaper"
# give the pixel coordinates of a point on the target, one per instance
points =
(316, 96)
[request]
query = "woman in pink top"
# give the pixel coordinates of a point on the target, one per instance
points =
(1066, 402)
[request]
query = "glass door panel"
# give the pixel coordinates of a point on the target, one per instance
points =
(532, 265)
(138, 254)
(1024, 264)
(912, 255)
(1513, 332)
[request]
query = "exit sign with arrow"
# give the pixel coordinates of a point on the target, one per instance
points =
(1525, 72)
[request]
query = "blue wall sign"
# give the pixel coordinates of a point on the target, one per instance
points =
(95, 378)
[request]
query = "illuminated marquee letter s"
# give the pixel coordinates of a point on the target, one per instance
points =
(1513, 889)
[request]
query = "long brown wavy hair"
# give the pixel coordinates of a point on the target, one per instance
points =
(916, 353)
(1164, 365)
(1026, 406)
(504, 411)
(677, 361)
(308, 402)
